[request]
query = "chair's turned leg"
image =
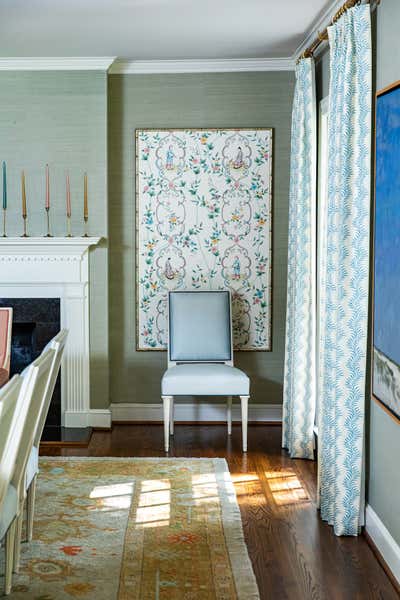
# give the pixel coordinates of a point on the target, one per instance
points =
(167, 415)
(30, 509)
(245, 406)
(18, 539)
(10, 543)
(171, 426)
(229, 414)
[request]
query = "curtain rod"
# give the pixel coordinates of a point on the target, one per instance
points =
(323, 36)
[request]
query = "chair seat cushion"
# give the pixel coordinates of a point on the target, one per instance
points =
(204, 380)
(8, 510)
(32, 468)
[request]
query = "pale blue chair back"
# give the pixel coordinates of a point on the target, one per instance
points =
(200, 327)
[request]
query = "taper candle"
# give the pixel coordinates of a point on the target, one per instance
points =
(24, 213)
(68, 189)
(47, 201)
(4, 186)
(85, 197)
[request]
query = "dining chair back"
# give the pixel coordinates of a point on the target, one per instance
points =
(36, 377)
(199, 327)
(13, 412)
(57, 344)
(14, 407)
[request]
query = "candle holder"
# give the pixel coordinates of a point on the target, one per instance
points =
(69, 234)
(4, 222)
(25, 218)
(48, 234)
(86, 219)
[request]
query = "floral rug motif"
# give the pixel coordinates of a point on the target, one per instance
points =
(137, 529)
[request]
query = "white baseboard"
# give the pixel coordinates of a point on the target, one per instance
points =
(90, 418)
(383, 540)
(195, 412)
(183, 412)
(100, 417)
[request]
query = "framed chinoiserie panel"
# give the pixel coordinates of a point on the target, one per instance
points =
(386, 330)
(204, 209)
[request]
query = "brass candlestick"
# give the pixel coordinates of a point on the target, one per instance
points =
(86, 219)
(25, 217)
(24, 211)
(69, 234)
(48, 234)
(4, 222)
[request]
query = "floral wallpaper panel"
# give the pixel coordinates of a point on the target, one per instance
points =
(204, 223)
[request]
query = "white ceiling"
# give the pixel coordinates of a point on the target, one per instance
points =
(156, 29)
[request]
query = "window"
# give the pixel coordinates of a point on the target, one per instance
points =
(321, 223)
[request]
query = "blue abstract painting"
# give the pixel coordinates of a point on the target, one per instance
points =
(386, 359)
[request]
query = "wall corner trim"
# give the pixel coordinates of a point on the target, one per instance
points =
(228, 65)
(383, 540)
(56, 63)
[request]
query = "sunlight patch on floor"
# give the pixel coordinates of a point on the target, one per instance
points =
(205, 489)
(113, 496)
(286, 487)
(154, 505)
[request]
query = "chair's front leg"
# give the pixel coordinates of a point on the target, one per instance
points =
(245, 406)
(167, 416)
(30, 509)
(18, 537)
(171, 428)
(10, 545)
(229, 414)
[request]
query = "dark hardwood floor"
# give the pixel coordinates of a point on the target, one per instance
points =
(295, 555)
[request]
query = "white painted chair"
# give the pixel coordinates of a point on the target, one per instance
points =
(32, 469)
(14, 406)
(36, 378)
(200, 355)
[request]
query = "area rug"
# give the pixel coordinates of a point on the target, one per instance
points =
(137, 529)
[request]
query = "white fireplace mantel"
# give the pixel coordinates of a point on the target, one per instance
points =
(57, 267)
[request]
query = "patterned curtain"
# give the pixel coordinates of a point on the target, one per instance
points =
(299, 382)
(344, 293)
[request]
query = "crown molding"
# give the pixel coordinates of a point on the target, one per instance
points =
(57, 63)
(227, 65)
(319, 24)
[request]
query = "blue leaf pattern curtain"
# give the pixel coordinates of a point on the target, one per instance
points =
(300, 378)
(344, 293)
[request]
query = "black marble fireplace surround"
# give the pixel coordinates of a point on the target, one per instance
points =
(35, 322)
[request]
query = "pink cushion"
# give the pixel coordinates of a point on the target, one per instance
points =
(5, 338)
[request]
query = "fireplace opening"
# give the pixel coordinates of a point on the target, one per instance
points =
(23, 346)
(35, 322)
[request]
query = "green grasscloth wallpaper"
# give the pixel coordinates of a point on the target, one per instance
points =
(60, 118)
(189, 100)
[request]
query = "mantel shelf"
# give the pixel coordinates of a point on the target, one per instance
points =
(49, 241)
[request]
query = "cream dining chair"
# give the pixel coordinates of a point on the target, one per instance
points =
(32, 469)
(200, 355)
(5, 343)
(37, 377)
(15, 399)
